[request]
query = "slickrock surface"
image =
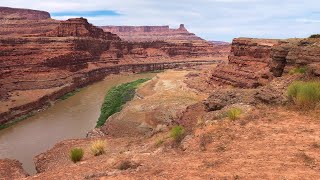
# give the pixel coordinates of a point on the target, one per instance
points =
(248, 63)
(11, 169)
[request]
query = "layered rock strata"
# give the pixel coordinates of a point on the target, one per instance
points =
(25, 22)
(180, 36)
(248, 64)
(254, 62)
(151, 33)
(293, 53)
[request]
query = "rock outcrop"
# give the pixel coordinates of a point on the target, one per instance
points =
(248, 63)
(296, 53)
(79, 27)
(11, 169)
(25, 22)
(254, 62)
(7, 13)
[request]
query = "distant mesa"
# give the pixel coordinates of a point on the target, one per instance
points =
(152, 33)
(219, 43)
(25, 22)
(80, 27)
(8, 13)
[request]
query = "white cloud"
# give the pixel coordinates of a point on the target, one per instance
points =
(211, 19)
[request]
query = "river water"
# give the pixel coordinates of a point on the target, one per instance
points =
(67, 119)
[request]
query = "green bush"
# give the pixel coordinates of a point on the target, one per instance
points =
(298, 70)
(177, 133)
(76, 154)
(304, 94)
(116, 97)
(234, 113)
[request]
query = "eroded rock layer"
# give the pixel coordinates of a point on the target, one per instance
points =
(248, 63)
(296, 53)
(79, 27)
(180, 36)
(25, 22)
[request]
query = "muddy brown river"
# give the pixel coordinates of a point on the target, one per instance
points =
(67, 119)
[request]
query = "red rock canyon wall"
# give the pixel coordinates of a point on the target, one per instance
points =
(43, 59)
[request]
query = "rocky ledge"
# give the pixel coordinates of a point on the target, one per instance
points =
(254, 62)
(11, 169)
(248, 64)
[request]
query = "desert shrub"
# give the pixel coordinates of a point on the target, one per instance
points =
(298, 70)
(304, 94)
(97, 147)
(126, 164)
(76, 154)
(177, 133)
(315, 36)
(234, 113)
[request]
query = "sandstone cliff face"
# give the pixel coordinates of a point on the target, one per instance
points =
(181, 37)
(248, 63)
(79, 27)
(7, 13)
(296, 53)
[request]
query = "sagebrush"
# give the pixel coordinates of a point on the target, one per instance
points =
(234, 113)
(76, 154)
(97, 147)
(177, 133)
(305, 95)
(298, 70)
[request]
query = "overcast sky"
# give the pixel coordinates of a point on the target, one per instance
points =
(209, 19)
